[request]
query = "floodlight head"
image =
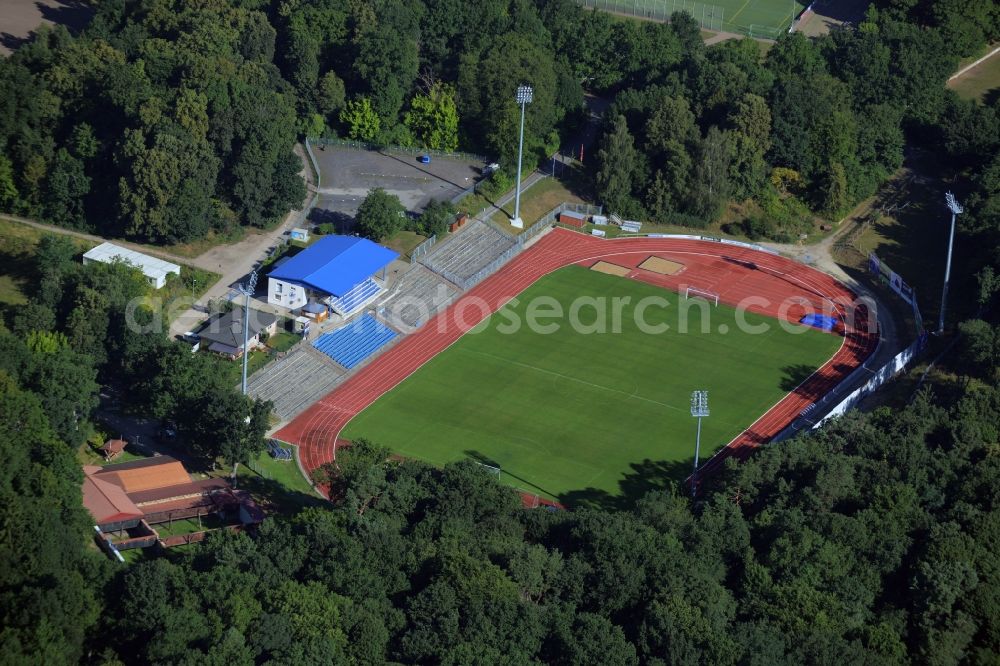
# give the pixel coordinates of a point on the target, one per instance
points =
(953, 205)
(699, 403)
(251, 286)
(524, 94)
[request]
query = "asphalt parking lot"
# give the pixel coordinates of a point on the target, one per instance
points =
(348, 174)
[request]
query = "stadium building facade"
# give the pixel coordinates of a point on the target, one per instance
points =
(341, 274)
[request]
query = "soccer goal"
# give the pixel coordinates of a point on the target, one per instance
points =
(491, 469)
(702, 293)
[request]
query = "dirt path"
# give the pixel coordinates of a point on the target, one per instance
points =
(139, 247)
(973, 65)
(722, 37)
(233, 261)
(820, 256)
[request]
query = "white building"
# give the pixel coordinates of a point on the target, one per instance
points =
(335, 272)
(155, 270)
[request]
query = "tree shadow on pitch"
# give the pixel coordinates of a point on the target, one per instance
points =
(794, 375)
(645, 477)
(522, 483)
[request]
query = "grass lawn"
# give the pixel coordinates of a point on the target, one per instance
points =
(979, 82)
(188, 525)
(277, 485)
(196, 248)
(912, 240)
(283, 341)
(234, 369)
(767, 17)
(404, 242)
(17, 249)
(536, 201)
(136, 555)
(591, 417)
(12, 290)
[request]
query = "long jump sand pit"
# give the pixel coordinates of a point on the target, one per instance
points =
(662, 266)
(611, 269)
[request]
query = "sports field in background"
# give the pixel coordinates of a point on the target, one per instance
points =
(567, 411)
(757, 18)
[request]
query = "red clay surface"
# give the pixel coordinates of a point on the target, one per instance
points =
(758, 281)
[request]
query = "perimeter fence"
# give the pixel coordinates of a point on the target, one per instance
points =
(388, 148)
(423, 248)
(708, 16)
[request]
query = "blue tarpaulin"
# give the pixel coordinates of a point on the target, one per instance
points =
(335, 264)
(822, 322)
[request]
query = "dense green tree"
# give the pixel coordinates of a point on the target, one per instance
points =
(386, 64)
(433, 119)
(710, 186)
(361, 120)
(486, 96)
(380, 215)
(331, 94)
(436, 217)
(619, 168)
(62, 379)
(49, 591)
(8, 189)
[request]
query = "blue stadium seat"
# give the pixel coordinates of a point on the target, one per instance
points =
(354, 299)
(351, 344)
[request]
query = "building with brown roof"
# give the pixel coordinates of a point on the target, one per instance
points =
(113, 448)
(157, 490)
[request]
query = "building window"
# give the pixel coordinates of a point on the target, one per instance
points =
(277, 287)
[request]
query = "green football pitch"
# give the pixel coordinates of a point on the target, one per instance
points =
(758, 18)
(578, 410)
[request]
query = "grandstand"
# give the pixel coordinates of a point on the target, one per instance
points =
(417, 297)
(353, 343)
(335, 273)
(471, 250)
(295, 381)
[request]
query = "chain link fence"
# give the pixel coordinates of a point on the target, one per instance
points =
(404, 150)
(709, 17)
(553, 216)
(422, 249)
(471, 281)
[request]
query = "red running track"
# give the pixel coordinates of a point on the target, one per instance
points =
(760, 282)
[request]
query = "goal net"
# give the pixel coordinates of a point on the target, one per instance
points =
(490, 469)
(710, 296)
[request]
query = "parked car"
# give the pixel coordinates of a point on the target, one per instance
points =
(425, 159)
(490, 168)
(167, 432)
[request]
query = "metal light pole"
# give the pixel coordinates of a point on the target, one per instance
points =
(247, 291)
(956, 210)
(524, 97)
(699, 410)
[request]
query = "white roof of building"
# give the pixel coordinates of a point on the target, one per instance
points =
(150, 266)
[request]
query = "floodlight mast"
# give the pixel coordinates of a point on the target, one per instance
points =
(524, 96)
(699, 410)
(956, 210)
(247, 292)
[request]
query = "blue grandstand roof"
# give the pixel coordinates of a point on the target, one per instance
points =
(334, 264)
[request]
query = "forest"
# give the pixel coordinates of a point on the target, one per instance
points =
(166, 120)
(813, 127)
(871, 540)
